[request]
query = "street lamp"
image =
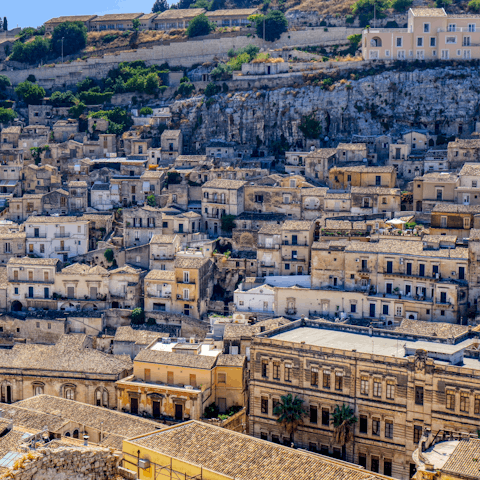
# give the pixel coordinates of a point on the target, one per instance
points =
(62, 48)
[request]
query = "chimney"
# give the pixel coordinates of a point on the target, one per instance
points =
(262, 329)
(85, 440)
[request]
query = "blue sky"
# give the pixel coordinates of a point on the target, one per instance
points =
(33, 13)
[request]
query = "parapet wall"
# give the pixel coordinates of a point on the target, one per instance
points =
(183, 54)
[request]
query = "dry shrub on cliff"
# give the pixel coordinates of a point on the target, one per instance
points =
(275, 60)
(323, 8)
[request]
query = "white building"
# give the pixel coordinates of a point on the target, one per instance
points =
(101, 197)
(257, 299)
(56, 237)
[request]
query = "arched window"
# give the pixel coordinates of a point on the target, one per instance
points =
(101, 397)
(69, 393)
(38, 390)
(376, 42)
(67, 434)
(75, 434)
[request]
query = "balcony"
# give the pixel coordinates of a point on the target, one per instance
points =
(37, 297)
(364, 270)
(267, 264)
(62, 235)
(455, 30)
(412, 275)
(212, 215)
(275, 246)
(62, 249)
(16, 280)
(298, 244)
(40, 235)
(295, 258)
(159, 295)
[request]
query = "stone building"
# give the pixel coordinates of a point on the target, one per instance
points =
(141, 224)
(171, 140)
(177, 381)
(463, 150)
(73, 371)
(12, 244)
(351, 152)
(114, 21)
(40, 178)
(362, 176)
(447, 219)
(162, 251)
(319, 162)
(398, 385)
(433, 188)
(366, 200)
(176, 18)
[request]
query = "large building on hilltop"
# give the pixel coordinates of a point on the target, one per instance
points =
(431, 34)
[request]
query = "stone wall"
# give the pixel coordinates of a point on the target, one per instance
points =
(65, 463)
(183, 54)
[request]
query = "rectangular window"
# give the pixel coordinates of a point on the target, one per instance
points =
(264, 368)
(390, 390)
(385, 309)
(389, 267)
(476, 405)
(464, 402)
(387, 467)
(170, 378)
(314, 376)
(275, 403)
(417, 433)
(276, 370)
(377, 387)
(353, 308)
(419, 395)
(325, 416)
(222, 378)
(147, 374)
(364, 386)
(399, 42)
(326, 379)
(186, 277)
(433, 41)
(362, 460)
(288, 372)
(472, 27)
(375, 464)
(445, 54)
(443, 221)
(313, 414)
(375, 426)
(420, 42)
(426, 28)
(338, 382)
(388, 429)
(264, 405)
(363, 424)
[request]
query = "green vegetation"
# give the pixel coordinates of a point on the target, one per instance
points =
(160, 6)
(343, 419)
(275, 24)
(138, 316)
(355, 39)
(62, 99)
(228, 223)
(199, 26)
(151, 200)
(401, 5)
(443, 3)
(7, 115)
(31, 52)
(365, 9)
(72, 35)
(212, 89)
(310, 126)
(134, 77)
(474, 5)
(136, 24)
(185, 89)
(119, 120)
(211, 411)
(221, 70)
(95, 97)
(30, 93)
(290, 412)
(173, 178)
(37, 153)
(145, 111)
(77, 110)
(108, 254)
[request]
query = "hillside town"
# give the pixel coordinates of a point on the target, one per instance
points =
(237, 244)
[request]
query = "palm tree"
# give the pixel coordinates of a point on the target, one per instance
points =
(290, 411)
(343, 419)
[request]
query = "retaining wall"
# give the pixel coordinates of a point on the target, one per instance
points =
(183, 54)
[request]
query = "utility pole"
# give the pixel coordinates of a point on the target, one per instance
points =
(374, 14)
(264, 33)
(62, 48)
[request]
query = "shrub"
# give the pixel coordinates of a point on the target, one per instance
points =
(212, 89)
(72, 35)
(94, 97)
(7, 115)
(152, 82)
(211, 411)
(443, 3)
(151, 201)
(4, 83)
(200, 25)
(62, 99)
(77, 110)
(173, 178)
(151, 321)
(109, 37)
(160, 6)
(228, 223)
(31, 52)
(275, 24)
(108, 254)
(185, 89)
(30, 93)
(310, 126)
(138, 316)
(119, 120)
(85, 85)
(355, 39)
(145, 111)
(236, 62)
(365, 9)
(401, 5)
(220, 70)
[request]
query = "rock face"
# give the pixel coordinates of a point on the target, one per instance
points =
(439, 99)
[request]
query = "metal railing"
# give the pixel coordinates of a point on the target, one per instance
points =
(62, 249)
(62, 235)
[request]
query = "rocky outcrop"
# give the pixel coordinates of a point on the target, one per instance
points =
(439, 99)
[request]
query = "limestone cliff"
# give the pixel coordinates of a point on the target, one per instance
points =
(439, 99)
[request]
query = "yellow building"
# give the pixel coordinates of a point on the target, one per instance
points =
(362, 176)
(431, 34)
(177, 381)
(195, 450)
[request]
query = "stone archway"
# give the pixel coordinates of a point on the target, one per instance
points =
(16, 306)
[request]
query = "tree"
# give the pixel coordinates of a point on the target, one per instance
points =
(62, 99)
(443, 3)
(212, 89)
(151, 201)
(136, 24)
(275, 24)
(228, 223)
(200, 25)
(74, 35)
(109, 255)
(401, 5)
(290, 412)
(77, 110)
(343, 419)
(474, 5)
(7, 115)
(37, 153)
(365, 9)
(146, 111)
(160, 6)
(138, 316)
(4, 83)
(30, 93)
(31, 52)
(5, 23)
(152, 82)
(310, 126)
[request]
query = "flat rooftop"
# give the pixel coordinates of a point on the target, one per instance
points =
(386, 346)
